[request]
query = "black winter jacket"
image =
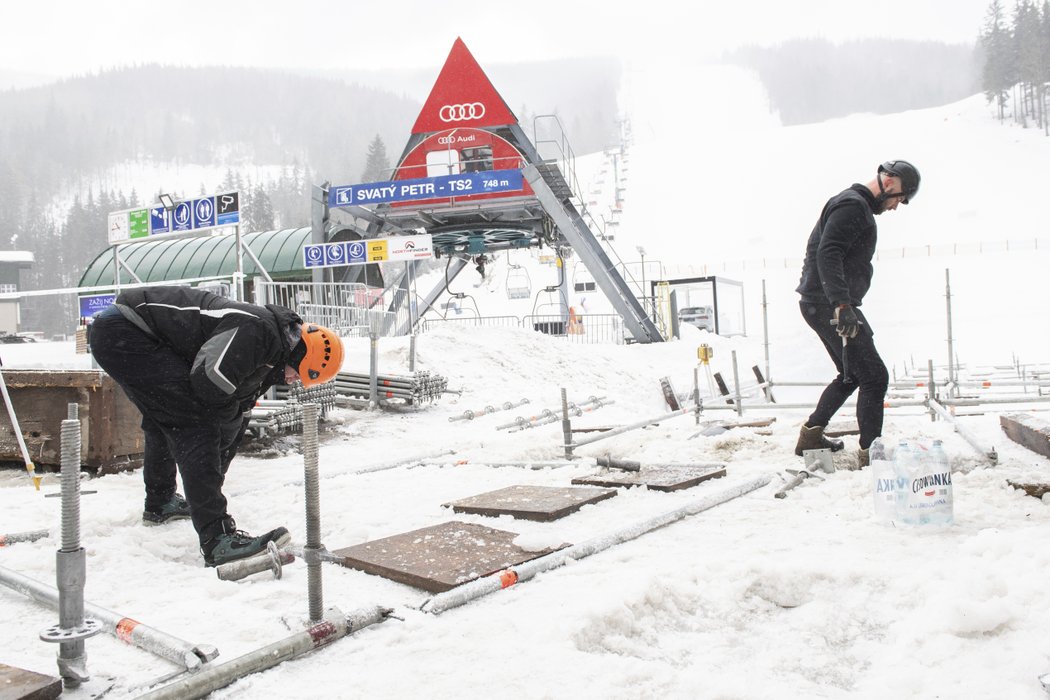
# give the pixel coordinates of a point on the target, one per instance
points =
(838, 269)
(235, 351)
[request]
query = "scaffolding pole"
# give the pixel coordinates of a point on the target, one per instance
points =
(508, 577)
(185, 654)
(988, 453)
(335, 625)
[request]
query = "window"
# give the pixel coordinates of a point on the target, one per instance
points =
(477, 160)
(444, 162)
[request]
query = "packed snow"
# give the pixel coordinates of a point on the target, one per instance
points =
(809, 596)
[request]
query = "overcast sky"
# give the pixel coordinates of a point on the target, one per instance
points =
(63, 37)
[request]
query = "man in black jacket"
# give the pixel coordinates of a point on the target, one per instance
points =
(194, 364)
(836, 275)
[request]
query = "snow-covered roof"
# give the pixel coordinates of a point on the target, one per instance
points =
(16, 256)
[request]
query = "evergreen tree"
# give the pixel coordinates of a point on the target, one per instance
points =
(260, 216)
(377, 164)
(997, 76)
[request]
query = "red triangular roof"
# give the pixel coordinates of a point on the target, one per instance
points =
(461, 86)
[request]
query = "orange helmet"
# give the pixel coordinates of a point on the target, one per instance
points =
(324, 355)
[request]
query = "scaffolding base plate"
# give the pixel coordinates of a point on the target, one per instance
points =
(440, 557)
(19, 684)
(543, 503)
(656, 478)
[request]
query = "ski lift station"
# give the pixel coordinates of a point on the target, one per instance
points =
(469, 186)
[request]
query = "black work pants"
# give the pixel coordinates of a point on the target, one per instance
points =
(178, 429)
(867, 372)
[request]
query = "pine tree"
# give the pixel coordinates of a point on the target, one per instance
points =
(377, 164)
(260, 216)
(997, 76)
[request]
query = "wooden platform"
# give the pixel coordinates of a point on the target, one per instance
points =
(1027, 430)
(655, 478)
(440, 557)
(543, 503)
(19, 684)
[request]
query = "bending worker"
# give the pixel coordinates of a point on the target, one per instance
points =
(194, 363)
(835, 277)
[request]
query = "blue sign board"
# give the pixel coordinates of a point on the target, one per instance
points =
(441, 187)
(355, 253)
(204, 212)
(182, 217)
(159, 220)
(92, 304)
(313, 255)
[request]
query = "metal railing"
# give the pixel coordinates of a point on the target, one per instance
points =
(584, 329)
(350, 309)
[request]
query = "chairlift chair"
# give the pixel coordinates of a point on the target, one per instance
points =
(518, 284)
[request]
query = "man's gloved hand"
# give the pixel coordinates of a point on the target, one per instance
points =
(846, 322)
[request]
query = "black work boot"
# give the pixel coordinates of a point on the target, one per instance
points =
(813, 439)
(230, 544)
(175, 509)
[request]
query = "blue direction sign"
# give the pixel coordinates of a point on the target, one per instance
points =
(313, 255)
(441, 187)
(335, 254)
(204, 212)
(182, 217)
(355, 253)
(159, 220)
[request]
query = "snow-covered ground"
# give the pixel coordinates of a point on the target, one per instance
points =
(805, 597)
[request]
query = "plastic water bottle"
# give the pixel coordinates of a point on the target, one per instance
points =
(884, 481)
(905, 467)
(939, 476)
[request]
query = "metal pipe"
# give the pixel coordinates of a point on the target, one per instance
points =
(373, 373)
(30, 536)
(183, 653)
(988, 453)
(930, 386)
(335, 625)
(411, 350)
(313, 513)
(736, 387)
(471, 415)
(765, 331)
(566, 426)
(625, 428)
(995, 399)
(71, 567)
(951, 351)
(522, 572)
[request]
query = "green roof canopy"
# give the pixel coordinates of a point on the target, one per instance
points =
(280, 252)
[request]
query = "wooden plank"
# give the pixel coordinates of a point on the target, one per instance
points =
(543, 503)
(440, 557)
(1028, 431)
(655, 478)
(842, 428)
(19, 684)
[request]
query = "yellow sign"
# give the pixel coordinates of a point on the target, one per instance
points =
(377, 251)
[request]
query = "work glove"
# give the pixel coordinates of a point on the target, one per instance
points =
(846, 322)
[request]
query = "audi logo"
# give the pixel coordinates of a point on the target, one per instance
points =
(462, 112)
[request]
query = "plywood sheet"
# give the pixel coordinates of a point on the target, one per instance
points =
(543, 503)
(440, 557)
(655, 478)
(19, 684)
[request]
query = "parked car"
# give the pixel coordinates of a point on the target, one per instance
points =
(702, 317)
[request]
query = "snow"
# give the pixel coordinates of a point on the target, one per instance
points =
(810, 596)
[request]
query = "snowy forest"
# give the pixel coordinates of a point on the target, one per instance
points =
(1017, 61)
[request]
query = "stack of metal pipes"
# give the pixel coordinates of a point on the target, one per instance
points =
(412, 389)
